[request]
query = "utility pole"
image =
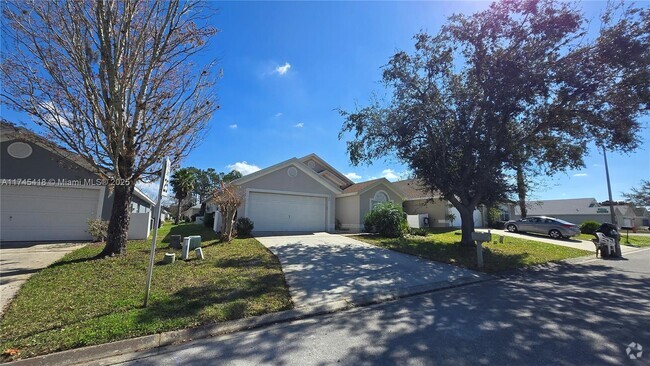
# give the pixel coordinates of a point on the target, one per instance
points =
(611, 202)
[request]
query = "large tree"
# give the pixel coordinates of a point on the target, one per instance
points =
(116, 82)
(208, 180)
(639, 196)
(504, 88)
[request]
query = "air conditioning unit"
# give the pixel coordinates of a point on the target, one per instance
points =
(418, 221)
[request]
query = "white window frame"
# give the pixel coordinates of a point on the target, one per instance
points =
(373, 201)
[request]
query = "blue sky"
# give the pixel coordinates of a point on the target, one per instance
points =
(288, 65)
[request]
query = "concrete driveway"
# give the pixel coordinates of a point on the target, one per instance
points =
(323, 268)
(18, 261)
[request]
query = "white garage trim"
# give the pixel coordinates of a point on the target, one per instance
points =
(328, 199)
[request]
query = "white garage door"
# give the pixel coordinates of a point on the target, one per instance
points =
(31, 213)
(284, 212)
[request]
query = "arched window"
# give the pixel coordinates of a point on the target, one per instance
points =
(379, 198)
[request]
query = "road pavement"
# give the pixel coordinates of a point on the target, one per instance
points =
(557, 314)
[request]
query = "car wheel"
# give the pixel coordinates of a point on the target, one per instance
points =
(555, 234)
(512, 228)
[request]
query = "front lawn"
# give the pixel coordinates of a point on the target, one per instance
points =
(442, 246)
(638, 241)
(79, 301)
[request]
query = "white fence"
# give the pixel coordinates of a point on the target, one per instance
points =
(140, 225)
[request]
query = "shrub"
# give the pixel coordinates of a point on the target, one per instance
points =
(419, 231)
(589, 227)
(493, 216)
(208, 219)
(387, 219)
(98, 229)
(244, 226)
(186, 219)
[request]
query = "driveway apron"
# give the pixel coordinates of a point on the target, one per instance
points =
(322, 268)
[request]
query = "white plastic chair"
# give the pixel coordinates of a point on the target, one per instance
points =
(605, 241)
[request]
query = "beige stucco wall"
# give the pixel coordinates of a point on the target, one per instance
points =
(365, 197)
(435, 208)
(279, 181)
(347, 212)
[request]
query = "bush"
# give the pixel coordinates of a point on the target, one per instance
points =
(186, 219)
(208, 219)
(493, 216)
(419, 231)
(589, 227)
(98, 229)
(244, 226)
(193, 218)
(388, 220)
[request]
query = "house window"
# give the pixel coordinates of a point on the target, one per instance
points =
(505, 215)
(379, 198)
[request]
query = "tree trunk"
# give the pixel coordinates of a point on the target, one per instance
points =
(467, 224)
(227, 224)
(118, 225)
(521, 191)
(178, 212)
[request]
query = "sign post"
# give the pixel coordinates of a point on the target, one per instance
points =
(480, 238)
(162, 192)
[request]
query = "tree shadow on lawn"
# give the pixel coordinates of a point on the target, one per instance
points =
(459, 255)
(561, 315)
(215, 302)
(184, 230)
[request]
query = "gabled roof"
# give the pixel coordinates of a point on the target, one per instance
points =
(414, 190)
(326, 165)
(361, 187)
(571, 206)
(293, 161)
(10, 131)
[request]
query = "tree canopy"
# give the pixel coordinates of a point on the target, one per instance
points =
(114, 81)
(639, 196)
(518, 83)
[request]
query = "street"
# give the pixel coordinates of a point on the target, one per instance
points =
(559, 314)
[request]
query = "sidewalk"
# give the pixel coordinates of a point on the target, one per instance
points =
(572, 243)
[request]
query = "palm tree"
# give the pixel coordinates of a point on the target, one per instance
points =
(182, 184)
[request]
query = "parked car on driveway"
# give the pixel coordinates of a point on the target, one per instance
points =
(555, 228)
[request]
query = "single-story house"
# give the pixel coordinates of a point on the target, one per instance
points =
(191, 211)
(578, 210)
(308, 195)
(48, 193)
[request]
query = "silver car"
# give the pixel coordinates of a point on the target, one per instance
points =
(555, 228)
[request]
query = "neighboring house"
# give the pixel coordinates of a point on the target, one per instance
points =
(578, 210)
(642, 217)
(48, 193)
(191, 211)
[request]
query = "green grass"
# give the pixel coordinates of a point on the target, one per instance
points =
(442, 246)
(639, 241)
(79, 301)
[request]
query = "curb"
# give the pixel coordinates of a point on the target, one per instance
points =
(156, 341)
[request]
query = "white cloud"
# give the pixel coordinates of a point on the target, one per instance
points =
(299, 125)
(353, 176)
(283, 69)
(233, 126)
(278, 115)
(243, 167)
(392, 175)
(389, 174)
(580, 174)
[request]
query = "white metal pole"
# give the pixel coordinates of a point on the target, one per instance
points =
(152, 254)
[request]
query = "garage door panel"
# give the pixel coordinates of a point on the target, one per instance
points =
(284, 212)
(46, 213)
